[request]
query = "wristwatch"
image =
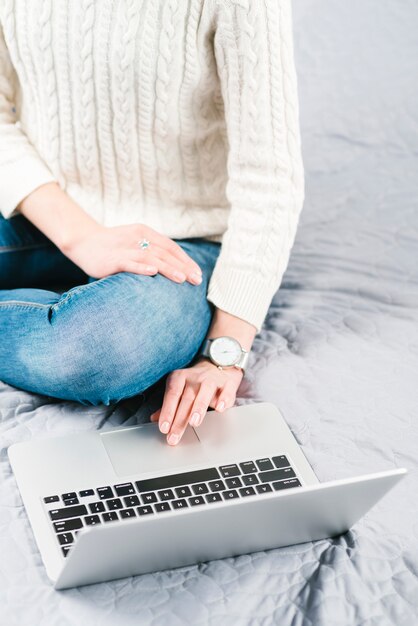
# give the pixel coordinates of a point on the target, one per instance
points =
(225, 352)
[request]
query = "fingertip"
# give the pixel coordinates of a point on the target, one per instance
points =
(173, 439)
(195, 419)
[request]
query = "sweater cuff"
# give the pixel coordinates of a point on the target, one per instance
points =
(18, 180)
(241, 294)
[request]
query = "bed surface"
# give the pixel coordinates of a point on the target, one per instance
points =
(338, 354)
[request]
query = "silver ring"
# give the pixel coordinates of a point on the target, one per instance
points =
(144, 244)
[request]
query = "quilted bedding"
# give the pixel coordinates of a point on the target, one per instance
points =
(338, 354)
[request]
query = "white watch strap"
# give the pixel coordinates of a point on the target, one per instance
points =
(244, 359)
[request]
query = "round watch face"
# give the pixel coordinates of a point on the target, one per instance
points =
(225, 351)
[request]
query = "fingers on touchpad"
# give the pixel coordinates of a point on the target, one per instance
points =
(144, 449)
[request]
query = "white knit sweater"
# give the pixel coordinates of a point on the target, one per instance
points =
(179, 114)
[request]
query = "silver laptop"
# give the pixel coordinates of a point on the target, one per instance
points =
(106, 505)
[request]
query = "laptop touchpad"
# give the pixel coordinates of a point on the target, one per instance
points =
(144, 449)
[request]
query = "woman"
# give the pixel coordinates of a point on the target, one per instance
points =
(151, 182)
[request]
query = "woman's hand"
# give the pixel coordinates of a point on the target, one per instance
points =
(189, 392)
(100, 250)
(108, 250)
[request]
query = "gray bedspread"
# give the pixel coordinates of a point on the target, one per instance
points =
(338, 354)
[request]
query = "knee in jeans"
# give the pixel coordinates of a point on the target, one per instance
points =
(104, 373)
(102, 370)
(106, 358)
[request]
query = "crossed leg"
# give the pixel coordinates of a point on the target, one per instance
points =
(100, 341)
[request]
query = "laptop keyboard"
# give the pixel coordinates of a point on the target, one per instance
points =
(69, 512)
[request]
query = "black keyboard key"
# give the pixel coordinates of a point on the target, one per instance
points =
(286, 484)
(230, 495)
(148, 498)
(176, 480)
(199, 489)
(281, 461)
(65, 538)
(145, 510)
(92, 520)
(68, 511)
(233, 483)
(183, 492)
(196, 500)
(213, 497)
(264, 464)
(247, 491)
(105, 492)
(71, 502)
(126, 513)
(250, 479)
(114, 504)
(264, 488)
(278, 474)
(248, 467)
(160, 507)
(217, 485)
(166, 494)
(96, 507)
(127, 489)
(86, 493)
(69, 524)
(228, 471)
(131, 501)
(65, 550)
(110, 517)
(50, 499)
(69, 496)
(179, 504)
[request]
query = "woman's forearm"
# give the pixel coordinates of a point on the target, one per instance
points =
(61, 219)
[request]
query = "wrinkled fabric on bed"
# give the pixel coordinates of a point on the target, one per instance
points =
(338, 354)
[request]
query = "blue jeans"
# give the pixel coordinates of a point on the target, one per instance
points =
(100, 341)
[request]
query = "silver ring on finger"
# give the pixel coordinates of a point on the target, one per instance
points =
(144, 244)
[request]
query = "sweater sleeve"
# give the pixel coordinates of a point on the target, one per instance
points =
(253, 47)
(21, 168)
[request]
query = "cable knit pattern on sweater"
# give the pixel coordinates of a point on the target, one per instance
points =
(179, 114)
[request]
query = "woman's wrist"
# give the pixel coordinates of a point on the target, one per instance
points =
(224, 323)
(61, 219)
